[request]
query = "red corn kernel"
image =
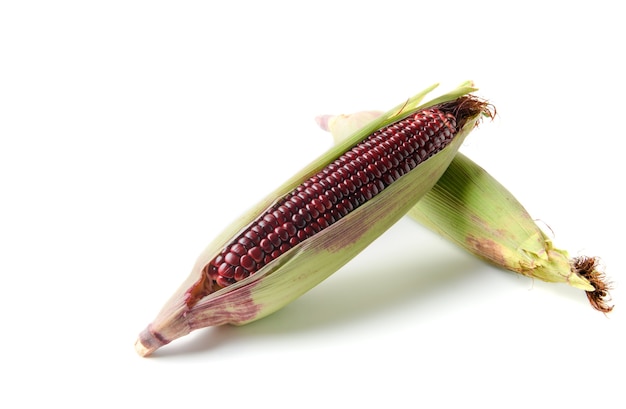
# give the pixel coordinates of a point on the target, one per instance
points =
(232, 258)
(298, 221)
(331, 196)
(349, 185)
(271, 220)
(226, 270)
(290, 228)
(279, 216)
(312, 209)
(285, 210)
(265, 226)
(212, 271)
(322, 222)
(253, 235)
(303, 235)
(247, 262)
(240, 274)
(274, 239)
(246, 243)
(318, 205)
(225, 281)
(256, 254)
(266, 245)
(282, 234)
(330, 218)
(238, 249)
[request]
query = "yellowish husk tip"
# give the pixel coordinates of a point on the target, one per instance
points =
(141, 349)
(577, 281)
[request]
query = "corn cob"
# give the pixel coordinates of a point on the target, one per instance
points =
(472, 209)
(351, 180)
(319, 219)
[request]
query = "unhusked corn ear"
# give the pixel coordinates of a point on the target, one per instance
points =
(472, 209)
(320, 218)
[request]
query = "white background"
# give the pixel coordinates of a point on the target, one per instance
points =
(132, 132)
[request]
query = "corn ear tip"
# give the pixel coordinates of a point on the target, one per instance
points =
(141, 349)
(147, 342)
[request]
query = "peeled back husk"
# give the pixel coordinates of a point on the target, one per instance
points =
(471, 208)
(313, 260)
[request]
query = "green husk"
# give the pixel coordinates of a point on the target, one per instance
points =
(311, 261)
